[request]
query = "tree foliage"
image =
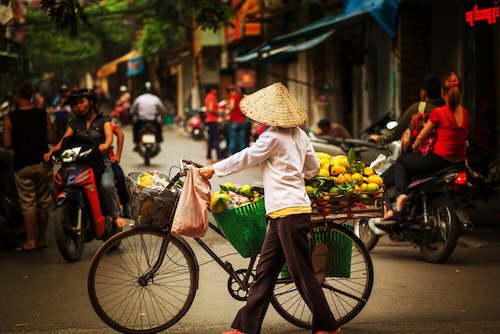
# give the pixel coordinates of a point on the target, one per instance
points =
(51, 50)
(209, 14)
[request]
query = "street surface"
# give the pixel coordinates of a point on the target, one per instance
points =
(41, 293)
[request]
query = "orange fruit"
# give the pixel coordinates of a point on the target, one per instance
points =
(375, 179)
(357, 177)
(368, 171)
(337, 170)
(372, 187)
(324, 172)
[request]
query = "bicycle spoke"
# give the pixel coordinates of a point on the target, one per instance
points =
(128, 295)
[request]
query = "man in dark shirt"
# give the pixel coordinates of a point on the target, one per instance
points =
(27, 131)
(430, 93)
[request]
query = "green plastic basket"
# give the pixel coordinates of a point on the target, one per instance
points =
(339, 252)
(244, 227)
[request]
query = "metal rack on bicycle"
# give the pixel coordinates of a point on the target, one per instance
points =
(329, 211)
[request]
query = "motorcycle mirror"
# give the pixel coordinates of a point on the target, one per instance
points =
(391, 125)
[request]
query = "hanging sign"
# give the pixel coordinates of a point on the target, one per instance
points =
(486, 14)
(135, 66)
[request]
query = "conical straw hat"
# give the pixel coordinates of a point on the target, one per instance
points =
(274, 106)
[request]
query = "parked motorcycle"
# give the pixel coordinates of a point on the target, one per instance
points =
(196, 125)
(149, 145)
(78, 217)
(436, 213)
(364, 150)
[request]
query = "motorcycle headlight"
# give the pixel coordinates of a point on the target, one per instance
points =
(85, 153)
(71, 154)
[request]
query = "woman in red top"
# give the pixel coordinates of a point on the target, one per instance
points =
(451, 123)
(211, 120)
(237, 125)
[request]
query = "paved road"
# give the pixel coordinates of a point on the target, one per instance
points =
(40, 293)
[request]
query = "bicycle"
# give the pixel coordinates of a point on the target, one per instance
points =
(149, 283)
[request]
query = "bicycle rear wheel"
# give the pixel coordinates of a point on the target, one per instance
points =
(345, 296)
(125, 293)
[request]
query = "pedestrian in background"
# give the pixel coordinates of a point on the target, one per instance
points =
(237, 124)
(62, 113)
(334, 130)
(27, 130)
(286, 157)
(212, 122)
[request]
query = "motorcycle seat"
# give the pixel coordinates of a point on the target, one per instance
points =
(450, 169)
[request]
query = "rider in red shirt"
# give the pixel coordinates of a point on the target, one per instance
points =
(451, 123)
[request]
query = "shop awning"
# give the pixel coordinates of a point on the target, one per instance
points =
(268, 53)
(110, 68)
(383, 11)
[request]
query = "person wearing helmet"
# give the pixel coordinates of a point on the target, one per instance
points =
(147, 107)
(96, 127)
(122, 105)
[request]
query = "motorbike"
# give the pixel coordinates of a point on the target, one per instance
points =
(149, 145)
(196, 125)
(436, 213)
(78, 218)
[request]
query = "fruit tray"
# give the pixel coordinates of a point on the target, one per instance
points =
(357, 206)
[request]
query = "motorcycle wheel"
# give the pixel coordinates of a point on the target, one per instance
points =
(446, 228)
(365, 233)
(147, 156)
(70, 243)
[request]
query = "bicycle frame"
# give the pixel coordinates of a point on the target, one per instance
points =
(227, 266)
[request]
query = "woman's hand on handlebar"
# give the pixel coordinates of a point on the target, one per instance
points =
(207, 172)
(47, 156)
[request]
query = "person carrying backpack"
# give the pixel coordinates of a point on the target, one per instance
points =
(451, 124)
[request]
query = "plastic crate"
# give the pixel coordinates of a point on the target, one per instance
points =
(244, 227)
(339, 252)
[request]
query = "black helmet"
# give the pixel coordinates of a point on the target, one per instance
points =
(75, 95)
(89, 94)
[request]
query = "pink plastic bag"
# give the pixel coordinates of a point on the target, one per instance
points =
(191, 216)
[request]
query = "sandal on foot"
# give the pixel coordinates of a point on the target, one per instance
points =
(120, 222)
(23, 248)
(338, 331)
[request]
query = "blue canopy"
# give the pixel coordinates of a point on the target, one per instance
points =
(383, 11)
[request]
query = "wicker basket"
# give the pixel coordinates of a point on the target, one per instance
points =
(148, 207)
(244, 227)
(339, 252)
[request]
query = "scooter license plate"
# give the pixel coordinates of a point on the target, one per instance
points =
(148, 138)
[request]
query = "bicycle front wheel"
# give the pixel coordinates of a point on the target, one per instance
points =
(346, 296)
(132, 297)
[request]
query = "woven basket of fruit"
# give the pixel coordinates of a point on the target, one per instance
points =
(241, 216)
(151, 203)
(345, 189)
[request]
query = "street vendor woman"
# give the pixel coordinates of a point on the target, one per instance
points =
(286, 157)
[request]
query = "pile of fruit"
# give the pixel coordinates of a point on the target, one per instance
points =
(231, 196)
(151, 181)
(342, 181)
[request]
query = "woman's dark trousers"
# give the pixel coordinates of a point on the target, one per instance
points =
(286, 239)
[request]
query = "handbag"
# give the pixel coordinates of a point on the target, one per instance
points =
(415, 125)
(191, 216)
